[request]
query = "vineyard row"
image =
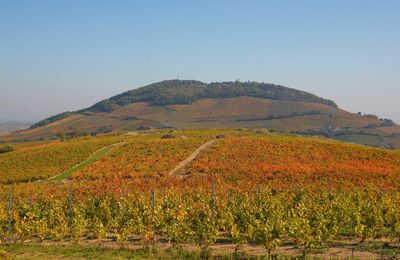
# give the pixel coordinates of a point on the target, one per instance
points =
(265, 218)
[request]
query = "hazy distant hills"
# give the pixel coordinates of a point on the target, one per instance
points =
(194, 104)
(6, 128)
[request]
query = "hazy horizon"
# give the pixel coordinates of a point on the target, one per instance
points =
(58, 57)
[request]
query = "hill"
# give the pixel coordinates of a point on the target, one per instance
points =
(194, 104)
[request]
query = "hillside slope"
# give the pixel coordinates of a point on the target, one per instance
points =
(243, 159)
(193, 104)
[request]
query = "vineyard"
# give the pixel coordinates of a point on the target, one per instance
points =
(250, 191)
(287, 162)
(44, 161)
(264, 218)
(150, 158)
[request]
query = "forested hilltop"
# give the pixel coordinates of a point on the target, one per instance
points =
(171, 92)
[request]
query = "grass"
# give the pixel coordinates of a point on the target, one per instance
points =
(37, 251)
(94, 157)
(91, 251)
(381, 248)
(33, 251)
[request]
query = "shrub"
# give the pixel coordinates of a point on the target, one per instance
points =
(6, 149)
(167, 136)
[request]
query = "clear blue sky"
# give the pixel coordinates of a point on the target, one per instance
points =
(66, 55)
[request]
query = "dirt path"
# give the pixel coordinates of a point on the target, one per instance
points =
(92, 158)
(182, 165)
(62, 249)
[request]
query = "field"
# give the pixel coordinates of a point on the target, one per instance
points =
(141, 158)
(46, 160)
(283, 163)
(247, 193)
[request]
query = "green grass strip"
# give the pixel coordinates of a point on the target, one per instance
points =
(94, 157)
(30, 251)
(37, 251)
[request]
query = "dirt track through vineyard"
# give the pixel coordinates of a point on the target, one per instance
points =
(183, 164)
(92, 158)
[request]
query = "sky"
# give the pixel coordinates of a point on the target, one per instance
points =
(58, 56)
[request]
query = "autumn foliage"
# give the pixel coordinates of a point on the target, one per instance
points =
(287, 162)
